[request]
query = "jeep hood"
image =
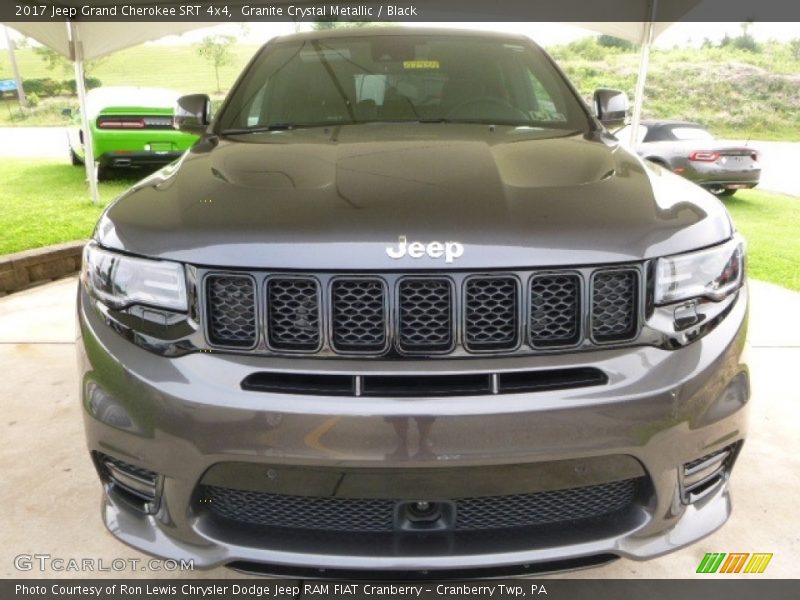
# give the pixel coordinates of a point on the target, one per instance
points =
(335, 198)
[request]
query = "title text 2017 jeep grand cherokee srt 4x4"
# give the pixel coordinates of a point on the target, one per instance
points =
(407, 308)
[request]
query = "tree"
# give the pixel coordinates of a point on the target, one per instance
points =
(610, 41)
(745, 41)
(217, 49)
(332, 23)
(53, 60)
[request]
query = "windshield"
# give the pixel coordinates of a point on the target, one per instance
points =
(401, 78)
(691, 133)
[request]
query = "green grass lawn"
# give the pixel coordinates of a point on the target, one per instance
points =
(46, 202)
(771, 224)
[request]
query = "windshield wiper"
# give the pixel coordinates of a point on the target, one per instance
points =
(263, 128)
(473, 122)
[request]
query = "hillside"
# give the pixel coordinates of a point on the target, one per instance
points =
(737, 93)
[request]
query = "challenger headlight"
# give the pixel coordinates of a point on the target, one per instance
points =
(119, 281)
(712, 273)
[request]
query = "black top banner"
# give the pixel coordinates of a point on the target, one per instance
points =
(402, 10)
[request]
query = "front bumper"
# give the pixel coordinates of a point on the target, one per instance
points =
(179, 417)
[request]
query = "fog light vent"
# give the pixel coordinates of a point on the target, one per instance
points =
(138, 485)
(703, 475)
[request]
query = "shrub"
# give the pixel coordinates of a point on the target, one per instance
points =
(746, 42)
(610, 41)
(795, 48)
(42, 86)
(90, 82)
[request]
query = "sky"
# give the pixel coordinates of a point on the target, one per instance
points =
(546, 34)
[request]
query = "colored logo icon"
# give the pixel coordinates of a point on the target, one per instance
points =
(735, 562)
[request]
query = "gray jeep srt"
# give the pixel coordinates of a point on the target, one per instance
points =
(407, 309)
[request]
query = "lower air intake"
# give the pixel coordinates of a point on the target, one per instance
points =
(356, 515)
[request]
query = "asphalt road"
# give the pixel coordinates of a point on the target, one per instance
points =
(51, 497)
(779, 159)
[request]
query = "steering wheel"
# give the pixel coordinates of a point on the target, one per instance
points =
(489, 100)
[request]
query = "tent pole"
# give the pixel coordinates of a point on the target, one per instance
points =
(80, 86)
(23, 100)
(644, 61)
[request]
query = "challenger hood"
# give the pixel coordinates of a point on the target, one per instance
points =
(337, 198)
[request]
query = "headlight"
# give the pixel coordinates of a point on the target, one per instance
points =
(119, 281)
(712, 273)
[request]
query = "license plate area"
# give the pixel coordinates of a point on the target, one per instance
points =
(159, 147)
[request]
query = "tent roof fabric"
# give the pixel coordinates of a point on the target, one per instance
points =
(632, 31)
(101, 38)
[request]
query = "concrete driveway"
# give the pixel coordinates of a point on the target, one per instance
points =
(779, 162)
(34, 142)
(51, 497)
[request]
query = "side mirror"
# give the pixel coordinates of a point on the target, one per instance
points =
(193, 113)
(66, 112)
(610, 106)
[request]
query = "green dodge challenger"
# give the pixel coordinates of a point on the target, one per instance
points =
(131, 128)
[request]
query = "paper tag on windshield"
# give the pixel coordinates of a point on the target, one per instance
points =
(420, 64)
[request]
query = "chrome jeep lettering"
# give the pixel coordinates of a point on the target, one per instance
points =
(450, 250)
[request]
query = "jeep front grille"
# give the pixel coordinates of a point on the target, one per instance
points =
(232, 310)
(293, 321)
(425, 315)
(394, 314)
(358, 315)
(614, 304)
(555, 310)
(491, 313)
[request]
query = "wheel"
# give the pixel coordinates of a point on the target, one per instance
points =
(721, 191)
(76, 160)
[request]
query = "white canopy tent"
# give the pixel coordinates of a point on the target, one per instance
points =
(86, 40)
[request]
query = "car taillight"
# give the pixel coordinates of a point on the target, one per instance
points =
(754, 155)
(704, 156)
(117, 123)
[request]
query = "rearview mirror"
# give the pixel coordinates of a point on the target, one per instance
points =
(193, 113)
(610, 106)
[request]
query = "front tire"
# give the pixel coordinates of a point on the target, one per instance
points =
(74, 158)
